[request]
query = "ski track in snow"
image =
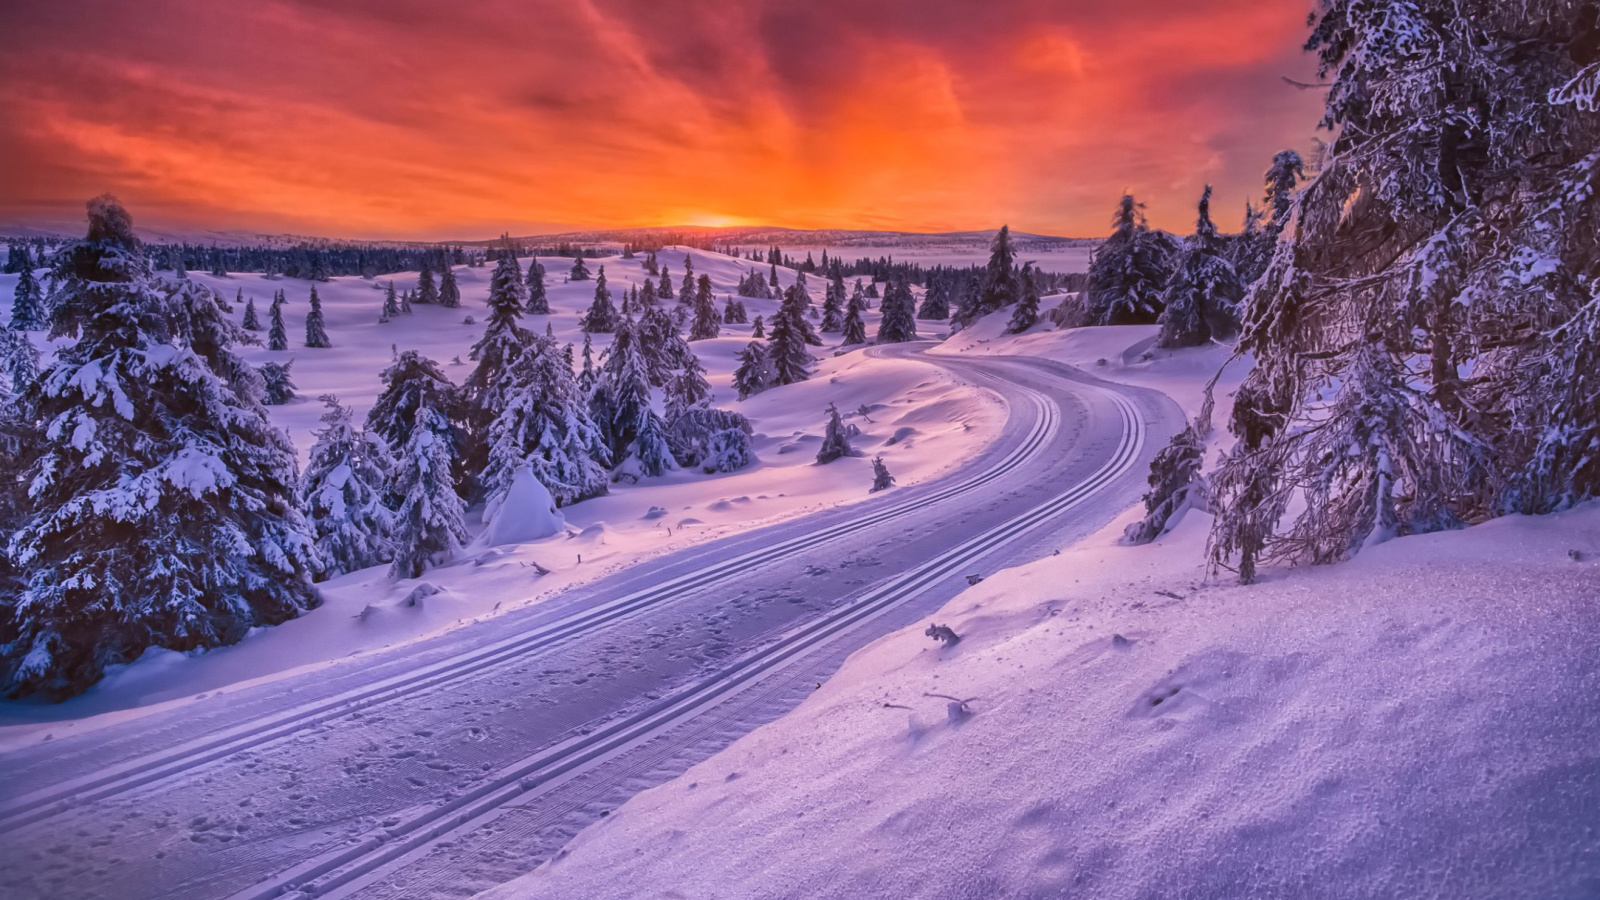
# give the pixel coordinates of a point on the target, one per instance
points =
(459, 762)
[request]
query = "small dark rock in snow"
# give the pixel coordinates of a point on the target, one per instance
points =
(944, 634)
(1118, 640)
(974, 578)
(1577, 555)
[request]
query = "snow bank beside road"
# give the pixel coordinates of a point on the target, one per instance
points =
(1415, 723)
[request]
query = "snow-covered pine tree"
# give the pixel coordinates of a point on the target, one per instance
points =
(650, 453)
(1027, 312)
(881, 479)
(410, 383)
(855, 329)
(1173, 475)
(899, 322)
(587, 375)
(602, 316)
(686, 292)
(835, 441)
(754, 373)
(427, 288)
(27, 307)
(545, 425)
(430, 524)
(277, 334)
(786, 349)
(277, 385)
(758, 329)
(622, 390)
(833, 304)
(19, 364)
(1256, 245)
(1410, 332)
(1000, 287)
(391, 304)
(538, 300)
(163, 501)
(707, 324)
(1128, 271)
(665, 292)
(1202, 296)
(344, 486)
(252, 321)
(405, 302)
(580, 271)
(687, 388)
(729, 450)
(449, 290)
(647, 296)
(936, 302)
(316, 329)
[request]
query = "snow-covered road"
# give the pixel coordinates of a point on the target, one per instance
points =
(456, 763)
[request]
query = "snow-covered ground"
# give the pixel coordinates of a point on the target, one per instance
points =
(939, 422)
(1415, 723)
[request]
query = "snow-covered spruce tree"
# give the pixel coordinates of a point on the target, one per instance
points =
(649, 453)
(1173, 475)
(316, 329)
(504, 339)
(580, 271)
(1128, 271)
(758, 329)
(19, 364)
(881, 479)
(687, 388)
(786, 349)
(707, 324)
(733, 313)
(252, 321)
(410, 383)
(427, 288)
(833, 304)
(587, 374)
(405, 303)
(277, 385)
(664, 349)
(622, 391)
(1000, 288)
(835, 440)
(27, 306)
(754, 373)
(1254, 249)
(936, 302)
(686, 292)
(729, 450)
(647, 296)
(1027, 312)
(692, 433)
(544, 425)
(163, 501)
(1412, 327)
(602, 315)
(430, 522)
(277, 334)
(665, 292)
(344, 486)
(1202, 296)
(855, 330)
(538, 300)
(899, 322)
(449, 290)
(391, 304)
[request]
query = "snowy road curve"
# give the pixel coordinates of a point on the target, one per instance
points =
(456, 763)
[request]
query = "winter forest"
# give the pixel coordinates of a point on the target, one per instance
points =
(1245, 542)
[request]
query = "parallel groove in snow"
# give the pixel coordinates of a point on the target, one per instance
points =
(349, 868)
(45, 803)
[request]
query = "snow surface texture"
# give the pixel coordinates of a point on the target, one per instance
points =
(1415, 723)
(938, 421)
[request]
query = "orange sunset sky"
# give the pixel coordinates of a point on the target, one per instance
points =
(437, 120)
